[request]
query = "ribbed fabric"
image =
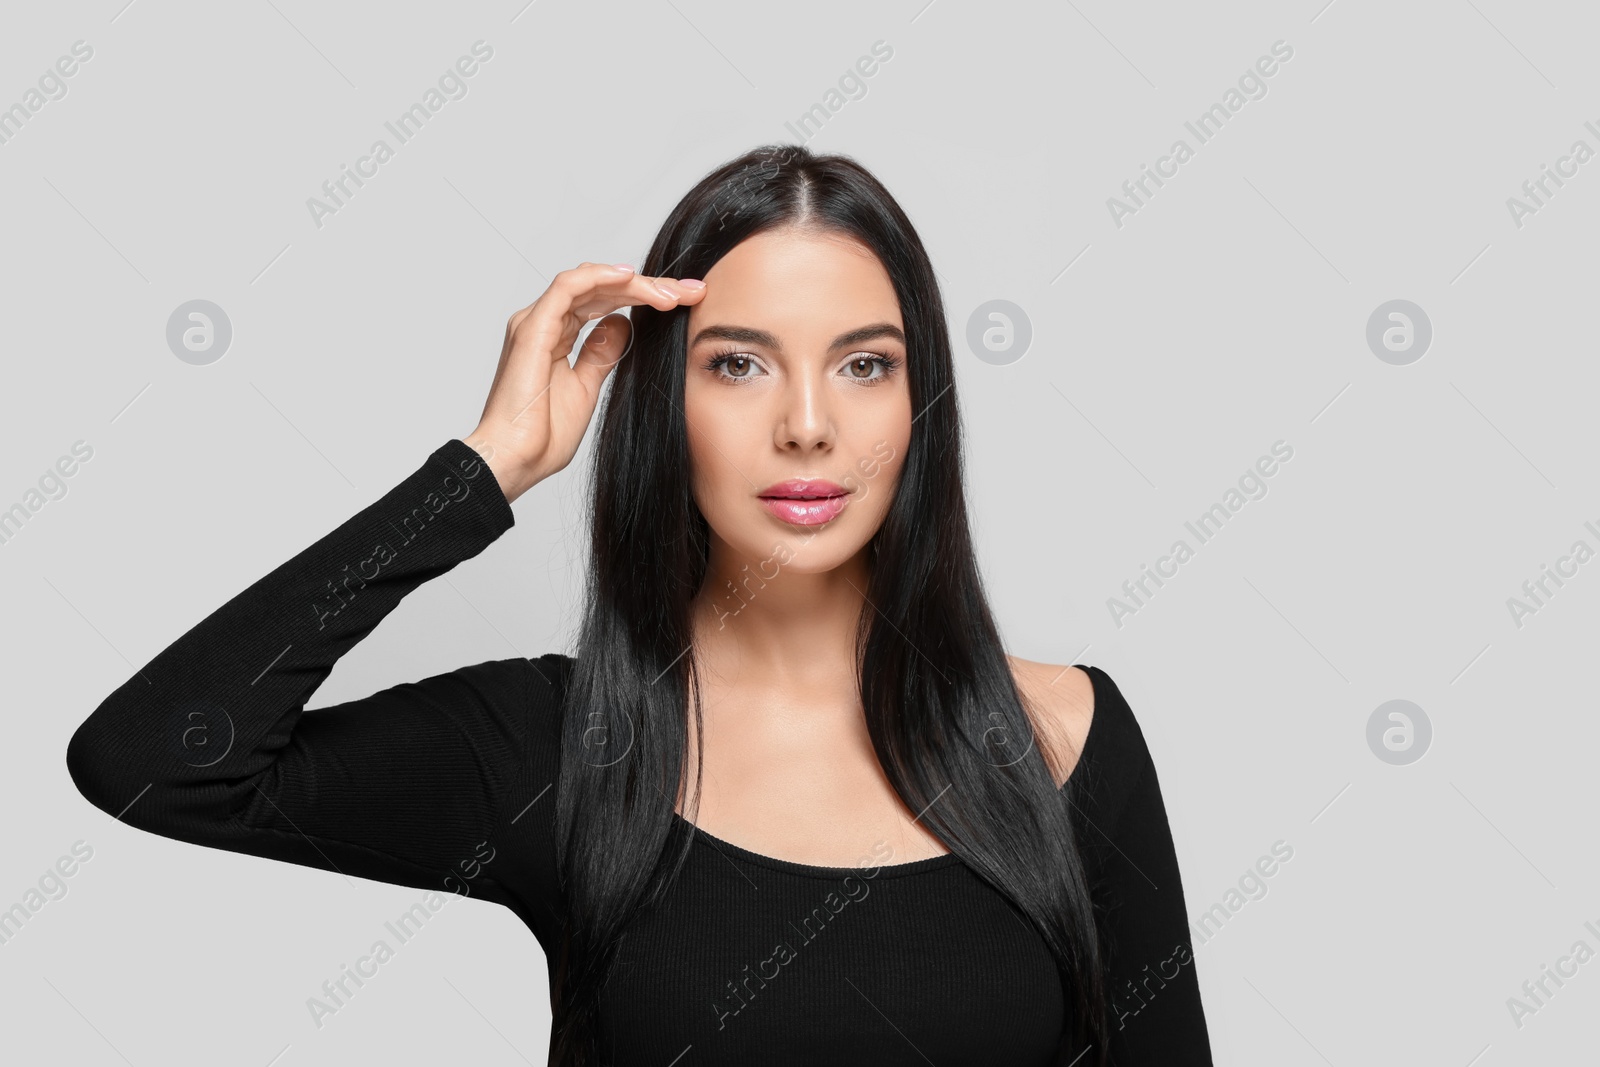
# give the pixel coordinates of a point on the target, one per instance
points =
(448, 784)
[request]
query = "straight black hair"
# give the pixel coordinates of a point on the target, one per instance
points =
(944, 713)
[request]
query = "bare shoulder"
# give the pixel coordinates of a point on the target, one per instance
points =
(1060, 699)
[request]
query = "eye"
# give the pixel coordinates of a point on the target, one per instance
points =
(868, 361)
(733, 366)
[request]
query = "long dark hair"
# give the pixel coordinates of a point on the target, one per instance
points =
(946, 719)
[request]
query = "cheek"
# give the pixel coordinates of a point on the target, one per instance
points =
(717, 436)
(876, 469)
(884, 455)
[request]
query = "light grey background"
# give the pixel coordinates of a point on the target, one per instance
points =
(1167, 355)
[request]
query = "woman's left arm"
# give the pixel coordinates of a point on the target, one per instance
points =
(1156, 1014)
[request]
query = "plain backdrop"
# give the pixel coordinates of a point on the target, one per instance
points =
(1169, 349)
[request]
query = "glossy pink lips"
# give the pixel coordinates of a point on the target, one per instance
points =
(805, 501)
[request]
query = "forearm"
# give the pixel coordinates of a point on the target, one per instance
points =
(180, 743)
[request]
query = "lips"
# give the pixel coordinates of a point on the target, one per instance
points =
(805, 501)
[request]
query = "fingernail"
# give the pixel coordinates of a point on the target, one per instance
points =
(623, 266)
(692, 283)
(670, 294)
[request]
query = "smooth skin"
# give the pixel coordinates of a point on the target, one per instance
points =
(789, 769)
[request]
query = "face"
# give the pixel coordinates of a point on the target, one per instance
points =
(796, 374)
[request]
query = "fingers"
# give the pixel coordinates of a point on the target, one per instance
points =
(673, 291)
(594, 289)
(578, 296)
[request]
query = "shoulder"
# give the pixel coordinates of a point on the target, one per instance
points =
(551, 671)
(542, 683)
(1088, 729)
(1061, 702)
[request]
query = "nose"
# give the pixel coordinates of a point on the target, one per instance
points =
(805, 419)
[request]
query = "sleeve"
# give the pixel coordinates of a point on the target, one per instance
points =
(210, 743)
(1156, 1013)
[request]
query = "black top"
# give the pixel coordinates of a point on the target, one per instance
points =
(448, 784)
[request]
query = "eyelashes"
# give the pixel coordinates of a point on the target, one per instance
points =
(720, 360)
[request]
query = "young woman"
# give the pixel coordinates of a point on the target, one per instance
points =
(790, 801)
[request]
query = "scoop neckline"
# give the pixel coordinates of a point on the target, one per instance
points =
(884, 870)
(812, 870)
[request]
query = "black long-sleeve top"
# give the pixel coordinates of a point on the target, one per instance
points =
(448, 783)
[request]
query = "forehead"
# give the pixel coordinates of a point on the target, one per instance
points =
(804, 287)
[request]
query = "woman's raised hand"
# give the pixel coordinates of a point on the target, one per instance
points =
(540, 405)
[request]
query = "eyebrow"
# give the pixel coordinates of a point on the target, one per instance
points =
(749, 335)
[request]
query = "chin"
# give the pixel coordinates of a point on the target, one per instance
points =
(772, 549)
(821, 555)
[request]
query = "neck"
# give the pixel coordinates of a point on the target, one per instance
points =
(766, 621)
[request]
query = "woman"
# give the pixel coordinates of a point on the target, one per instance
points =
(790, 802)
